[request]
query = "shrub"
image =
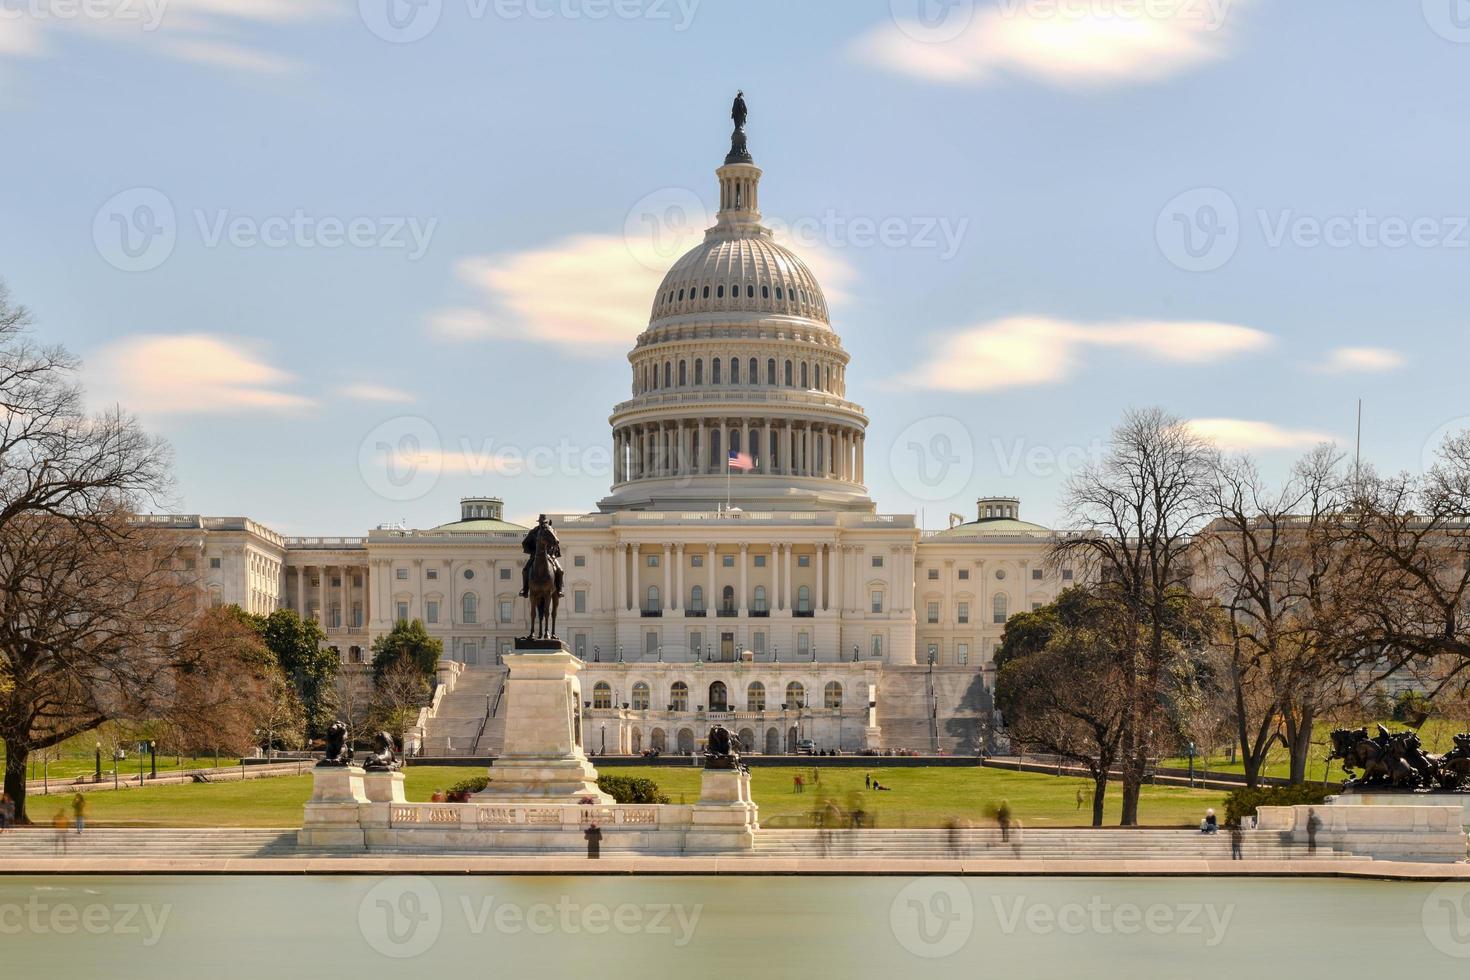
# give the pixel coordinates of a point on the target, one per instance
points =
(1244, 802)
(1411, 708)
(461, 791)
(624, 789)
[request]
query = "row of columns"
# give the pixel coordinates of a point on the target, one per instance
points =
(672, 592)
(684, 447)
(344, 593)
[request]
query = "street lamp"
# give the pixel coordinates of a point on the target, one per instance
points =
(854, 653)
(99, 762)
(596, 654)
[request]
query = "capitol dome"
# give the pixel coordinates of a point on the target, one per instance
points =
(739, 383)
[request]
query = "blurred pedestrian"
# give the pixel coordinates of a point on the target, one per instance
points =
(593, 834)
(1004, 817)
(7, 811)
(79, 810)
(1314, 824)
(59, 824)
(1237, 842)
(868, 780)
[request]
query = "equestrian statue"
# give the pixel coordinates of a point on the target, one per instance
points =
(541, 579)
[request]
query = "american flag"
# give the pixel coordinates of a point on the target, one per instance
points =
(741, 461)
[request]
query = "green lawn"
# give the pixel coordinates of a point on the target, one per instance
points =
(921, 797)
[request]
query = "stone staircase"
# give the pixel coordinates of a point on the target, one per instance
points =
(212, 842)
(907, 696)
(456, 726)
(1031, 845)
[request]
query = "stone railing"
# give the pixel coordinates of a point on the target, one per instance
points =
(551, 816)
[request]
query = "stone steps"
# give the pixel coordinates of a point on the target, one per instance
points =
(222, 842)
(1115, 845)
(462, 712)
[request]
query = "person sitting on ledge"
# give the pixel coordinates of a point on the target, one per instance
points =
(1209, 825)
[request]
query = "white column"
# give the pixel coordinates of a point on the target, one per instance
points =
(701, 464)
(711, 601)
(776, 594)
(668, 557)
(790, 592)
(301, 590)
(744, 560)
(631, 560)
(619, 572)
(821, 602)
(677, 599)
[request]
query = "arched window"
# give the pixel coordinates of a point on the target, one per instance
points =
(469, 606)
(832, 696)
(795, 695)
(755, 697)
(727, 599)
(779, 293)
(705, 293)
(696, 598)
(771, 372)
(683, 374)
(765, 292)
(679, 697)
(760, 598)
(804, 599)
(805, 382)
(719, 698)
(640, 696)
(653, 604)
(754, 375)
(714, 371)
(658, 740)
(699, 371)
(1001, 605)
(668, 374)
(749, 291)
(734, 370)
(681, 295)
(788, 374)
(602, 695)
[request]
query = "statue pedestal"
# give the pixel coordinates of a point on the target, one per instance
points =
(333, 812)
(384, 787)
(543, 761)
(725, 818)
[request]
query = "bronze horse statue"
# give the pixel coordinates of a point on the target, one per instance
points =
(541, 589)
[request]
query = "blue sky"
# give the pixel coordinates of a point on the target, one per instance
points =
(1029, 215)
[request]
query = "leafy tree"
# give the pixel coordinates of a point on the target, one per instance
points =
(407, 643)
(299, 648)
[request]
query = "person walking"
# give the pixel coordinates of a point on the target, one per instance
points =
(593, 834)
(1237, 842)
(79, 811)
(7, 811)
(1079, 797)
(1003, 817)
(58, 824)
(868, 780)
(1314, 824)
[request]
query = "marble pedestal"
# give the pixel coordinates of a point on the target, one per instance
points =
(543, 761)
(332, 814)
(725, 818)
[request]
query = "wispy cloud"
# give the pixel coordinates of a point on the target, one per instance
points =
(226, 34)
(1244, 435)
(1362, 360)
(587, 294)
(374, 393)
(190, 374)
(1033, 350)
(1097, 43)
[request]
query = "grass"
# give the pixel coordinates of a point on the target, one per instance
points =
(921, 797)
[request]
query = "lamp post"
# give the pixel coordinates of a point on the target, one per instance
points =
(855, 653)
(596, 654)
(99, 763)
(153, 759)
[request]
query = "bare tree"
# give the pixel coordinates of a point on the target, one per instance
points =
(400, 692)
(1133, 515)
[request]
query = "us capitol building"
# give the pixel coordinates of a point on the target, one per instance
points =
(797, 614)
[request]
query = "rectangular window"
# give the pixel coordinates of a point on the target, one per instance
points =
(877, 598)
(401, 574)
(1066, 575)
(697, 561)
(403, 612)
(760, 561)
(964, 575)
(504, 647)
(877, 561)
(504, 574)
(650, 643)
(188, 564)
(934, 575)
(803, 561)
(964, 612)
(728, 561)
(652, 561)
(803, 644)
(506, 607)
(579, 601)
(962, 654)
(470, 652)
(579, 561)
(696, 645)
(433, 574)
(933, 612)
(431, 611)
(758, 643)
(336, 581)
(877, 646)
(214, 563)
(1037, 574)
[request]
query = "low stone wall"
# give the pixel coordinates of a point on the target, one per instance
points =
(1457, 800)
(1430, 834)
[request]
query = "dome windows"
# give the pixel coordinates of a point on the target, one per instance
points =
(719, 292)
(706, 293)
(765, 292)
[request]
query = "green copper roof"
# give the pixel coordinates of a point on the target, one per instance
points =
(481, 525)
(998, 525)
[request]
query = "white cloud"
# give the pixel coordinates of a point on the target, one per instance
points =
(1244, 435)
(588, 294)
(1353, 360)
(1062, 42)
(1033, 350)
(222, 33)
(374, 393)
(190, 374)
